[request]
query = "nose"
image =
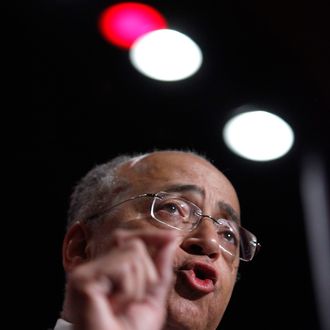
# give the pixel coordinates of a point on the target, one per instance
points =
(203, 240)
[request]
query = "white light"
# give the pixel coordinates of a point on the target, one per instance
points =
(165, 55)
(258, 135)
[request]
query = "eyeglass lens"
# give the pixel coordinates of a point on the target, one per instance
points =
(181, 214)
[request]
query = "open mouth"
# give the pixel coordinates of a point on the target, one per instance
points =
(200, 276)
(203, 272)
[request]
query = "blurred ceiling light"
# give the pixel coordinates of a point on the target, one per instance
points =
(166, 55)
(123, 23)
(258, 135)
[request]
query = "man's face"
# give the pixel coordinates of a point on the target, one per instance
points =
(204, 274)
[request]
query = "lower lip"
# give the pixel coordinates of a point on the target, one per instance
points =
(201, 285)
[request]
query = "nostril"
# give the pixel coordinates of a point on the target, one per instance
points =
(196, 249)
(199, 250)
(204, 245)
(213, 255)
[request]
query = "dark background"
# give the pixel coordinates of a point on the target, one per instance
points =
(76, 101)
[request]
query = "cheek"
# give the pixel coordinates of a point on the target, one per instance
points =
(228, 279)
(228, 270)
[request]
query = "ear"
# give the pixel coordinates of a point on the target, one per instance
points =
(74, 249)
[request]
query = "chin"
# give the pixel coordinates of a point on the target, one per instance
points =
(185, 314)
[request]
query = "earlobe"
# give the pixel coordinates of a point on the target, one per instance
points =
(74, 246)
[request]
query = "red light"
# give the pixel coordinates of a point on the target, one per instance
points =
(123, 23)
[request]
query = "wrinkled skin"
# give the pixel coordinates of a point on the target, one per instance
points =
(126, 273)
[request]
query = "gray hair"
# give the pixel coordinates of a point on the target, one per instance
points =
(92, 192)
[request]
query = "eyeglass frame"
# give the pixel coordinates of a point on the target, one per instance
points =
(254, 244)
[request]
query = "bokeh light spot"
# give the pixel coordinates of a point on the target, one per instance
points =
(123, 23)
(258, 135)
(166, 55)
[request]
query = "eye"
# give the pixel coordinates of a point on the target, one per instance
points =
(172, 210)
(173, 207)
(228, 234)
(169, 207)
(230, 237)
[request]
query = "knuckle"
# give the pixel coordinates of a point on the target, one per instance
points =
(137, 244)
(118, 236)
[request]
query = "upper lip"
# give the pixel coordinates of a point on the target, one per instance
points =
(202, 270)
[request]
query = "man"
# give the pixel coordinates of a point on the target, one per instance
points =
(153, 242)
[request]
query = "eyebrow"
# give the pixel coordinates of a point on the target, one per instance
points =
(196, 189)
(229, 210)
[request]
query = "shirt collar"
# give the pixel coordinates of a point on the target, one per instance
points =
(63, 325)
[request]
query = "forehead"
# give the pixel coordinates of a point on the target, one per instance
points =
(160, 170)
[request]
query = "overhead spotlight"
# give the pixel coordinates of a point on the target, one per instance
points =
(166, 55)
(258, 135)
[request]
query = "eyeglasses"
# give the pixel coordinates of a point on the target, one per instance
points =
(181, 214)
